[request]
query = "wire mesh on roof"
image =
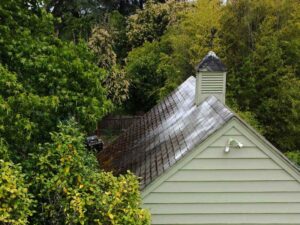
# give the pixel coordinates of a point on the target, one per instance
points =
(165, 134)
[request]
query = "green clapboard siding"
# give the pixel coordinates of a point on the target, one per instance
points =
(221, 197)
(224, 208)
(218, 152)
(227, 219)
(244, 186)
(234, 164)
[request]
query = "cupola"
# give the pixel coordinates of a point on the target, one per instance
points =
(210, 78)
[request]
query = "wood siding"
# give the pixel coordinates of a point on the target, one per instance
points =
(244, 186)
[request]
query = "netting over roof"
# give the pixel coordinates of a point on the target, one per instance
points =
(165, 134)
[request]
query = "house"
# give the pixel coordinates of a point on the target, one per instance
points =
(199, 163)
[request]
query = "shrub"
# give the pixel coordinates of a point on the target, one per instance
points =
(71, 189)
(15, 201)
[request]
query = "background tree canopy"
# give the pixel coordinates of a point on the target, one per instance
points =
(259, 43)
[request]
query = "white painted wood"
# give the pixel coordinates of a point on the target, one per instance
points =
(210, 83)
(218, 152)
(232, 186)
(208, 219)
(214, 164)
(230, 175)
(233, 197)
(232, 208)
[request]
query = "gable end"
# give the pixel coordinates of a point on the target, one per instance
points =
(251, 185)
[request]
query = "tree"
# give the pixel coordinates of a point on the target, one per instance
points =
(116, 82)
(263, 75)
(71, 189)
(151, 22)
(294, 156)
(16, 202)
(101, 44)
(44, 79)
(76, 18)
(259, 43)
(146, 79)
(157, 68)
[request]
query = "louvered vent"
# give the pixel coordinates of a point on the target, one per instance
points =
(212, 83)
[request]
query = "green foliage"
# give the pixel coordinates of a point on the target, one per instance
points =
(191, 37)
(76, 18)
(157, 68)
(15, 201)
(258, 42)
(146, 79)
(263, 74)
(150, 23)
(116, 82)
(72, 190)
(294, 156)
(116, 25)
(44, 80)
(101, 44)
(249, 118)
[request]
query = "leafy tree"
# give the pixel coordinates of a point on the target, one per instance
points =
(157, 68)
(116, 82)
(101, 44)
(259, 43)
(71, 189)
(146, 79)
(15, 201)
(117, 25)
(263, 75)
(76, 18)
(294, 156)
(151, 22)
(191, 37)
(44, 79)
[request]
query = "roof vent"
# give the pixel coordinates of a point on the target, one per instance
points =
(211, 78)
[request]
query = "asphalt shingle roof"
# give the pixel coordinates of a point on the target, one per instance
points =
(165, 134)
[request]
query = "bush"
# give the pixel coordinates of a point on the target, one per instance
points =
(71, 189)
(15, 201)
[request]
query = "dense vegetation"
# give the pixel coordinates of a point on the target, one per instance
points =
(259, 41)
(52, 91)
(66, 64)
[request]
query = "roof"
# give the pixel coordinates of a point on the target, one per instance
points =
(165, 134)
(212, 63)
